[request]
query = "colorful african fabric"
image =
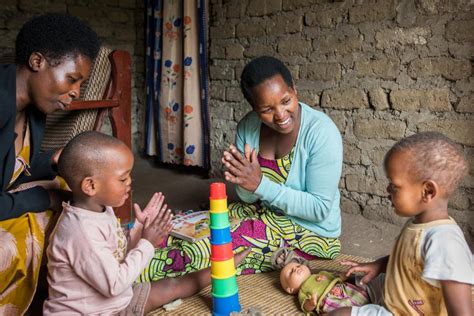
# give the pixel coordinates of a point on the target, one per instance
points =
(262, 229)
(22, 242)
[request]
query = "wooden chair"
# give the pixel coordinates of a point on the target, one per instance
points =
(106, 94)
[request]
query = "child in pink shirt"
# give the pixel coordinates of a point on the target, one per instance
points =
(92, 265)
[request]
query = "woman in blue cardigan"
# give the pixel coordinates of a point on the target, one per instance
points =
(287, 164)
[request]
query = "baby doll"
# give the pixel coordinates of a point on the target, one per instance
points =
(321, 292)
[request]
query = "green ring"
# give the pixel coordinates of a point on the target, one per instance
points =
(224, 287)
(219, 220)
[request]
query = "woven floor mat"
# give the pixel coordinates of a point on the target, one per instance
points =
(261, 292)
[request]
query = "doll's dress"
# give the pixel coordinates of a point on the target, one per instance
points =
(332, 292)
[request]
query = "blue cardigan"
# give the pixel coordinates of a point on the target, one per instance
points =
(310, 196)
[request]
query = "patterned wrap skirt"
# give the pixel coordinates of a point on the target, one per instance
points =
(261, 229)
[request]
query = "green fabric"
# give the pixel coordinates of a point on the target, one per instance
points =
(320, 283)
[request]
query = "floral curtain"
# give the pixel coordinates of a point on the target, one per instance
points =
(177, 118)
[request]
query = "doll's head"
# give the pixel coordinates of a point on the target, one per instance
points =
(292, 276)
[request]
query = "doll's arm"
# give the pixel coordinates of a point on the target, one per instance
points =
(310, 303)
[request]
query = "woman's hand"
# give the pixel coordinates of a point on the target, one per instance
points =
(57, 197)
(243, 171)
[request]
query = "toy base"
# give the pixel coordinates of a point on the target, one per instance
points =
(225, 305)
(226, 314)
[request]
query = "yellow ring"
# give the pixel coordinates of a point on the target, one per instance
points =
(222, 269)
(218, 206)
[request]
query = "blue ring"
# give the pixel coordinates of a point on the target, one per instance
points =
(220, 236)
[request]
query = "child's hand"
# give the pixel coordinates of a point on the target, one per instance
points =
(370, 270)
(155, 231)
(154, 206)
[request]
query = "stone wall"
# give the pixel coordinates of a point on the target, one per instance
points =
(381, 70)
(119, 24)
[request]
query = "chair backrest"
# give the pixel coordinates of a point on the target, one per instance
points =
(62, 126)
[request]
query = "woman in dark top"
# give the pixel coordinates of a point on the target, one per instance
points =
(54, 54)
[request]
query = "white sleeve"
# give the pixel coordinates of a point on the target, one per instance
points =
(94, 263)
(446, 256)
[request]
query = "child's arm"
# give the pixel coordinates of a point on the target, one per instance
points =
(96, 264)
(457, 297)
(134, 235)
(447, 262)
(370, 270)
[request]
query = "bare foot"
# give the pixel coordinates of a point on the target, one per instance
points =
(238, 257)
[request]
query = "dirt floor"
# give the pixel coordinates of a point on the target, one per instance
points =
(184, 189)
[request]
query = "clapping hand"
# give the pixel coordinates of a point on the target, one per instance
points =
(242, 170)
(157, 229)
(154, 206)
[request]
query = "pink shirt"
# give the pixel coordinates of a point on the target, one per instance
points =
(89, 270)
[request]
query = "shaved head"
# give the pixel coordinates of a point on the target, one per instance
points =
(433, 156)
(86, 155)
